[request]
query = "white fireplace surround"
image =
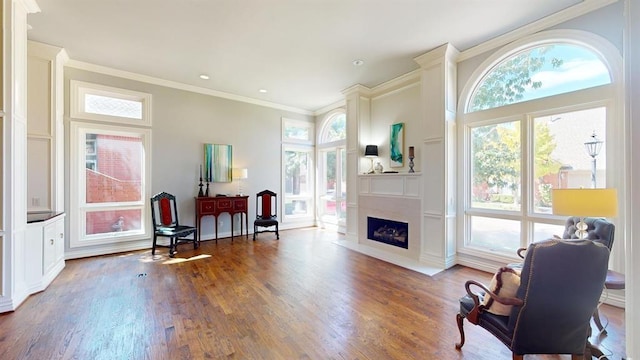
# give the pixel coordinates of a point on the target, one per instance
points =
(395, 197)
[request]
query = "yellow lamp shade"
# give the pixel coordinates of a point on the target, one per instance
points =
(585, 202)
(239, 173)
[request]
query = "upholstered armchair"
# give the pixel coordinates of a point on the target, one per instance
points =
(559, 287)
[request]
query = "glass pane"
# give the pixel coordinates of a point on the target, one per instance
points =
(336, 129)
(113, 221)
(546, 231)
(561, 157)
(495, 166)
(328, 196)
(297, 132)
(297, 173)
(539, 72)
(343, 185)
(114, 171)
(296, 207)
(495, 234)
(105, 105)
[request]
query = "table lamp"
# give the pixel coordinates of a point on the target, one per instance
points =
(585, 203)
(239, 174)
(371, 151)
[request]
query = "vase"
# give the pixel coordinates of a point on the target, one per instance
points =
(378, 168)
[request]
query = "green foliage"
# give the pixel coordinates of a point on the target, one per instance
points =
(496, 155)
(507, 82)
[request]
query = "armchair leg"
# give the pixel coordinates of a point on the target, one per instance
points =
(459, 320)
(596, 319)
(517, 357)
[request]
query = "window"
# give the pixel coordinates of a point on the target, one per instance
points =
(525, 125)
(298, 175)
(109, 170)
(332, 154)
(98, 102)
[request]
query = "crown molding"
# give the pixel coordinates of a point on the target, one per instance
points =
(399, 83)
(31, 6)
(325, 109)
(561, 16)
(180, 86)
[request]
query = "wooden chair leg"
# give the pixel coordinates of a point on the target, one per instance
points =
(459, 320)
(517, 357)
(277, 233)
(596, 319)
(577, 357)
(153, 247)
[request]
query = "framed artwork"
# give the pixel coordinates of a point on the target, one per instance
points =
(217, 163)
(396, 145)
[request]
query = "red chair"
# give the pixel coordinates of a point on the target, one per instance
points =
(164, 213)
(266, 213)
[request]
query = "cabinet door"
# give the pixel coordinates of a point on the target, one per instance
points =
(49, 247)
(59, 240)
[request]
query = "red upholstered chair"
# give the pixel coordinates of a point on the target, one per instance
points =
(266, 213)
(164, 213)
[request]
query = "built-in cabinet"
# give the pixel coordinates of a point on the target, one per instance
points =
(44, 255)
(45, 127)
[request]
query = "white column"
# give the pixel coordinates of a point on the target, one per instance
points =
(358, 100)
(14, 137)
(438, 94)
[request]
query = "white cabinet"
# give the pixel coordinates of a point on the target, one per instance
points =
(44, 253)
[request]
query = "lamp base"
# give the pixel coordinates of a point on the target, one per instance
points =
(582, 227)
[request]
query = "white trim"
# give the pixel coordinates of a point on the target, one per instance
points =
(180, 86)
(78, 205)
(310, 126)
(338, 104)
(79, 89)
(559, 17)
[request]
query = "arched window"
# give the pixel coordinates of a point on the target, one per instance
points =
(526, 114)
(538, 72)
(334, 129)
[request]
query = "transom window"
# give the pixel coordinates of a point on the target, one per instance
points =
(539, 72)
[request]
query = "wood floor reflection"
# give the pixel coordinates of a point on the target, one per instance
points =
(300, 297)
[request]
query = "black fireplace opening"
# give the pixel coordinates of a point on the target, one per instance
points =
(390, 232)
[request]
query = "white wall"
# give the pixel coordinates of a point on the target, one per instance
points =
(183, 122)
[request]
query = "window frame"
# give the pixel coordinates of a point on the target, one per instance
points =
(298, 145)
(599, 96)
(79, 89)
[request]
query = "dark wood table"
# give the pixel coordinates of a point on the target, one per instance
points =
(216, 205)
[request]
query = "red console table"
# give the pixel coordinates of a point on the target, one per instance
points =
(217, 205)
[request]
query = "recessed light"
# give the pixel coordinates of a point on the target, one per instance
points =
(262, 91)
(358, 62)
(204, 76)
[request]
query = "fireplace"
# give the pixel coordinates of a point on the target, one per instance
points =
(390, 232)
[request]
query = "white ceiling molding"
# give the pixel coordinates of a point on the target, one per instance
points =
(180, 86)
(572, 12)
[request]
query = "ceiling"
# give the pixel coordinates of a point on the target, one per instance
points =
(300, 51)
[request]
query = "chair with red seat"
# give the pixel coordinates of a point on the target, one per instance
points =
(266, 213)
(164, 213)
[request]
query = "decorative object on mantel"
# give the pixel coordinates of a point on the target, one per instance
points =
(239, 174)
(411, 157)
(396, 145)
(371, 151)
(378, 169)
(200, 193)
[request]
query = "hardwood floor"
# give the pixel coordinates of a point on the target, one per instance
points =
(300, 297)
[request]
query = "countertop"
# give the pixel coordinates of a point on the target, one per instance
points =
(39, 216)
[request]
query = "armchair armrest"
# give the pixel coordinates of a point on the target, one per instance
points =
(521, 252)
(478, 307)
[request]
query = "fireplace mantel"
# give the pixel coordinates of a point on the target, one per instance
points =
(406, 185)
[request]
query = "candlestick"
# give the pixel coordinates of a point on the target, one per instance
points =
(411, 157)
(411, 151)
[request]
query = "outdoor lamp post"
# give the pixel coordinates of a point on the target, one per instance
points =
(593, 147)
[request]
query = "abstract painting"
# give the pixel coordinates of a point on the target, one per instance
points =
(396, 145)
(217, 163)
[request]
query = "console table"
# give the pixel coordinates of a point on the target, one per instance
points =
(217, 205)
